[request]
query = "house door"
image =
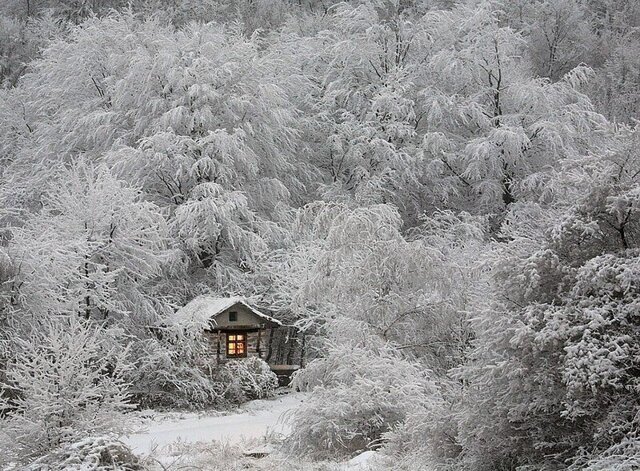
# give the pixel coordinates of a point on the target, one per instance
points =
(237, 345)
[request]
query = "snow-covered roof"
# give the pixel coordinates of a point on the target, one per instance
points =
(205, 307)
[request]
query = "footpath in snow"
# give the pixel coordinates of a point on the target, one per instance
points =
(254, 420)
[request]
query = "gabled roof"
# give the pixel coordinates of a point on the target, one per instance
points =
(205, 307)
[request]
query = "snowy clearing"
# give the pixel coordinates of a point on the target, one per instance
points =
(245, 439)
(255, 419)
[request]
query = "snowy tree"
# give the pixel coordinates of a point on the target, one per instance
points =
(96, 251)
(93, 249)
(199, 117)
(354, 264)
(551, 381)
(616, 83)
(493, 132)
(359, 391)
(68, 376)
(360, 61)
(559, 34)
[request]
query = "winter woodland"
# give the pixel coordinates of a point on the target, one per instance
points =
(441, 196)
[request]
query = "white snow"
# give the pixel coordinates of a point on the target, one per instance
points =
(360, 462)
(203, 308)
(254, 420)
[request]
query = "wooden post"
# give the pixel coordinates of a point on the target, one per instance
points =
(270, 346)
(218, 351)
(302, 348)
(258, 343)
(292, 344)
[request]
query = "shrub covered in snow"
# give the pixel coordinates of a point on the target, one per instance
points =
(230, 457)
(68, 379)
(166, 374)
(553, 381)
(358, 393)
(91, 453)
(623, 456)
(243, 380)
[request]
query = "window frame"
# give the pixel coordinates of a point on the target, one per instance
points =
(233, 316)
(232, 339)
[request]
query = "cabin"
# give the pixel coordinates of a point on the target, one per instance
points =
(235, 329)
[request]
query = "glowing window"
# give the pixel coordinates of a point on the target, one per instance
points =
(236, 345)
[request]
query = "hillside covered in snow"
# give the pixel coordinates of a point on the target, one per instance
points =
(318, 234)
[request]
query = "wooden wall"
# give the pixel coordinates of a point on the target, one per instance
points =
(252, 344)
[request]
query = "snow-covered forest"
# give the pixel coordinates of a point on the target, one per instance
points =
(440, 197)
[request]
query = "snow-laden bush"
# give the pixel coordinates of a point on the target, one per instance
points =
(245, 380)
(623, 456)
(68, 379)
(91, 453)
(227, 456)
(552, 380)
(426, 440)
(167, 374)
(358, 394)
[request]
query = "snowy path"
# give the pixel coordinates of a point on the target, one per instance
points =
(254, 420)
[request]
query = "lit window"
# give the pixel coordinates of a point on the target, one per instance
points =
(236, 345)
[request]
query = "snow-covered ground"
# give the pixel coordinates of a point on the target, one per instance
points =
(253, 420)
(237, 440)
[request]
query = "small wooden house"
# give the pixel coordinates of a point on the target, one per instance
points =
(235, 328)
